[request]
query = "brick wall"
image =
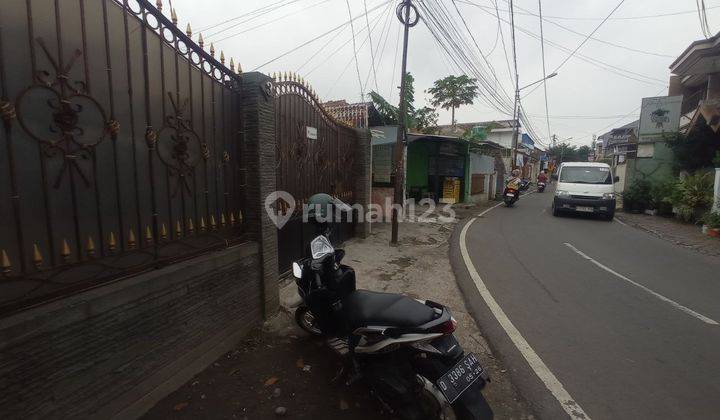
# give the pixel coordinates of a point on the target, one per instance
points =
(259, 158)
(363, 180)
(119, 348)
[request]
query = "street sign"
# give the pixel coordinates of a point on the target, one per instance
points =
(311, 133)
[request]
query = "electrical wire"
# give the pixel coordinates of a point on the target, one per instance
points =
(252, 12)
(272, 21)
(384, 35)
(372, 53)
(357, 64)
(324, 34)
(271, 8)
(545, 19)
(588, 36)
(542, 52)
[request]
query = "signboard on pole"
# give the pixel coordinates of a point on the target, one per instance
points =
(659, 116)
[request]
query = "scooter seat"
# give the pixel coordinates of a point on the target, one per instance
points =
(364, 308)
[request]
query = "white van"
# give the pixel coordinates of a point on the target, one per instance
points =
(586, 187)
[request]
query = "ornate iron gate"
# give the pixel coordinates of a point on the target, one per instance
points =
(120, 146)
(316, 153)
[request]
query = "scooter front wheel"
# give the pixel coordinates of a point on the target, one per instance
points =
(306, 320)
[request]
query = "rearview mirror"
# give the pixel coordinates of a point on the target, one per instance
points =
(616, 179)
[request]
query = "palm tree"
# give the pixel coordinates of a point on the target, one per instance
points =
(453, 91)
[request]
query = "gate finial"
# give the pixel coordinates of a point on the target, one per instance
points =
(173, 16)
(65, 250)
(5, 265)
(190, 225)
(131, 239)
(239, 68)
(148, 235)
(222, 57)
(201, 41)
(212, 50)
(158, 5)
(188, 30)
(232, 64)
(112, 244)
(90, 246)
(37, 256)
(163, 231)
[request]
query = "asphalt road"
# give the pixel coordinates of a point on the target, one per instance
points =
(621, 350)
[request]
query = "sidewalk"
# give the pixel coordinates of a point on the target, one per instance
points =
(282, 368)
(682, 234)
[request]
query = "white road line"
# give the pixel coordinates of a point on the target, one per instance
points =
(676, 305)
(487, 210)
(557, 389)
(620, 221)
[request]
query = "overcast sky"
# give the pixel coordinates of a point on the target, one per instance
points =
(583, 99)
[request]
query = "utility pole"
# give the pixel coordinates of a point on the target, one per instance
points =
(408, 15)
(516, 106)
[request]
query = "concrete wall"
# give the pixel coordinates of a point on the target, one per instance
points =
(502, 137)
(654, 163)
(485, 165)
(119, 348)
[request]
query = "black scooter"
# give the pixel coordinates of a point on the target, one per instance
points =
(402, 347)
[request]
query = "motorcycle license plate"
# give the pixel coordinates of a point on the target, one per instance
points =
(510, 195)
(584, 209)
(456, 380)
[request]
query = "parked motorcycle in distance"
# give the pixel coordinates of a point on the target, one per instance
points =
(540, 186)
(402, 347)
(510, 196)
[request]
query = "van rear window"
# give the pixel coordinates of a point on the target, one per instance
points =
(586, 175)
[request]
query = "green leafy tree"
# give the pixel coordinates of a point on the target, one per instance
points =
(426, 120)
(695, 150)
(452, 92)
(388, 112)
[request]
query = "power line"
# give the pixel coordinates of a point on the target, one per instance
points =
(372, 54)
(357, 64)
(340, 76)
(384, 35)
(269, 9)
(542, 50)
(272, 21)
(678, 13)
(602, 65)
(588, 36)
(529, 13)
(252, 12)
(324, 34)
(392, 78)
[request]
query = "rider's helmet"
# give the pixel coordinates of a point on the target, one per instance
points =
(515, 172)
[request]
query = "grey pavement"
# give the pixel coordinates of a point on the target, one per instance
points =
(620, 351)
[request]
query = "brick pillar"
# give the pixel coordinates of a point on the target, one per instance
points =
(258, 107)
(363, 178)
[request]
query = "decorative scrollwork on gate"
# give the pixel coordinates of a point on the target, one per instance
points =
(66, 102)
(179, 146)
